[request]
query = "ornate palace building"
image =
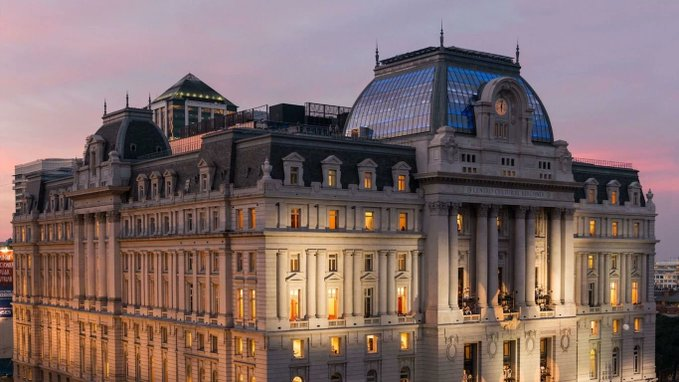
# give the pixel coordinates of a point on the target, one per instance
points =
(443, 234)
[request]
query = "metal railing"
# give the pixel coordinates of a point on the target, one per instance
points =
(605, 163)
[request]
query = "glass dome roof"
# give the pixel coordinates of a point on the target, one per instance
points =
(400, 103)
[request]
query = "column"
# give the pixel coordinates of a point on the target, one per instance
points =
(493, 287)
(584, 287)
(628, 290)
(454, 257)
(227, 279)
(383, 265)
(90, 256)
(436, 258)
(481, 254)
(623, 277)
(181, 287)
(391, 283)
(280, 286)
(555, 256)
(568, 255)
(113, 271)
(321, 291)
(348, 292)
(607, 284)
(415, 282)
(356, 285)
(600, 279)
(102, 273)
(530, 257)
(651, 263)
(78, 268)
(520, 255)
(311, 284)
(644, 278)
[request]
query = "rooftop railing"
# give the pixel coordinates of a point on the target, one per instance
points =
(605, 163)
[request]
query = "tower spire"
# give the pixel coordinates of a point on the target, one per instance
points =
(517, 50)
(104, 106)
(441, 35)
(377, 54)
(127, 99)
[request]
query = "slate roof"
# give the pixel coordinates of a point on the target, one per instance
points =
(603, 175)
(192, 87)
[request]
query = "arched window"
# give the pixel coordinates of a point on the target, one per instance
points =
(636, 360)
(337, 377)
(371, 376)
(593, 364)
(615, 361)
(405, 374)
(297, 379)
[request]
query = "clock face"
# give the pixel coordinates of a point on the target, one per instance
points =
(501, 106)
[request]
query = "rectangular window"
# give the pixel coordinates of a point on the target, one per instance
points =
(614, 229)
(333, 219)
(401, 262)
(594, 328)
(403, 221)
(405, 341)
(201, 341)
(189, 222)
(163, 335)
(368, 302)
(635, 292)
(238, 345)
(332, 263)
(591, 196)
(215, 220)
(470, 362)
(335, 345)
(294, 175)
(401, 301)
(368, 180)
(294, 304)
(637, 324)
(368, 262)
(239, 304)
(371, 343)
(213, 343)
(460, 222)
(239, 262)
(593, 364)
(188, 339)
(333, 303)
(635, 230)
(592, 227)
(295, 218)
(252, 347)
(253, 304)
(252, 218)
(590, 262)
(616, 326)
(252, 262)
(614, 293)
(369, 222)
(614, 198)
(240, 219)
(298, 349)
(401, 183)
(332, 178)
(294, 263)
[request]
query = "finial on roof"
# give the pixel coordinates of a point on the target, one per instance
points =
(517, 50)
(441, 35)
(149, 101)
(104, 106)
(127, 99)
(377, 54)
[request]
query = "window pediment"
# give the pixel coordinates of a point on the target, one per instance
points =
(369, 276)
(333, 276)
(332, 160)
(368, 163)
(295, 276)
(142, 177)
(293, 157)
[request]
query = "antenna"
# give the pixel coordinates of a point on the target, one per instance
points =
(441, 36)
(104, 106)
(127, 99)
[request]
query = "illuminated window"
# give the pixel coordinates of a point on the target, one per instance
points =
(614, 198)
(635, 292)
(252, 347)
(294, 263)
(253, 304)
(298, 349)
(297, 379)
(405, 341)
(592, 227)
(460, 222)
(333, 303)
(239, 304)
(403, 221)
(401, 183)
(369, 222)
(238, 345)
(240, 220)
(332, 263)
(591, 195)
(333, 219)
(371, 343)
(368, 262)
(616, 326)
(295, 217)
(614, 229)
(335, 345)
(367, 180)
(637, 325)
(401, 262)
(188, 339)
(594, 328)
(593, 364)
(252, 221)
(332, 178)
(401, 300)
(590, 262)
(614, 293)
(294, 304)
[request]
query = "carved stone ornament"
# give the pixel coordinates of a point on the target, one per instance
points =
(266, 169)
(492, 344)
(451, 347)
(565, 342)
(450, 148)
(438, 208)
(530, 341)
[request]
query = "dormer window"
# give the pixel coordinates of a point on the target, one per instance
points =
(331, 172)
(141, 186)
(155, 185)
(206, 171)
(293, 170)
(634, 192)
(170, 178)
(367, 170)
(400, 174)
(61, 202)
(52, 206)
(591, 190)
(613, 191)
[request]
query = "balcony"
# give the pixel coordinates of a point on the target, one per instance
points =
(299, 325)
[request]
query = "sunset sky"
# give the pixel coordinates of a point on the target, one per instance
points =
(606, 70)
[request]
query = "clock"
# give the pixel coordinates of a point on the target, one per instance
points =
(501, 106)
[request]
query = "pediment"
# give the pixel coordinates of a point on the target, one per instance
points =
(141, 177)
(402, 276)
(333, 276)
(367, 163)
(369, 276)
(169, 172)
(403, 166)
(155, 175)
(203, 163)
(332, 160)
(295, 277)
(293, 157)
(592, 181)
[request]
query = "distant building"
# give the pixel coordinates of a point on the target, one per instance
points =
(441, 233)
(667, 275)
(6, 325)
(45, 169)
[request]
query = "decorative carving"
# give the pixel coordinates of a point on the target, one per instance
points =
(438, 208)
(451, 347)
(530, 341)
(266, 169)
(565, 339)
(450, 148)
(492, 344)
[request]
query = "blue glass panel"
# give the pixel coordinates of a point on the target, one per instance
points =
(394, 106)
(463, 88)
